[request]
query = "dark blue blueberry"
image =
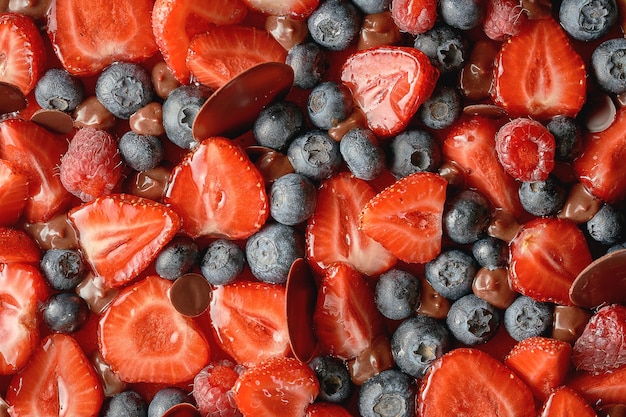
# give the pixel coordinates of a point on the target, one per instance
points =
(58, 89)
(587, 20)
(397, 294)
(308, 62)
(277, 125)
(444, 47)
(527, 318)
(364, 158)
(491, 253)
(271, 251)
(329, 103)
(126, 404)
(292, 199)
(372, 6)
(177, 257)
(314, 154)
(141, 152)
(462, 14)
(334, 378)
(417, 342)
(64, 269)
(165, 399)
(390, 393)
(65, 312)
(123, 88)
(567, 135)
(179, 112)
(442, 108)
(616, 247)
(608, 64)
(451, 273)
(466, 218)
(472, 320)
(222, 262)
(335, 24)
(608, 225)
(542, 198)
(414, 151)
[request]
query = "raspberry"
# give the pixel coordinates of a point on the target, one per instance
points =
(504, 18)
(212, 389)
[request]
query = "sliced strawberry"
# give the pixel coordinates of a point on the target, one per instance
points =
(121, 234)
(320, 409)
(250, 321)
(539, 74)
(471, 146)
(332, 233)
(222, 53)
(566, 402)
(346, 319)
(278, 387)
(413, 16)
(601, 347)
(176, 22)
(542, 363)
(37, 152)
(22, 290)
(145, 339)
(22, 51)
(406, 217)
(58, 381)
(539, 265)
(87, 37)
(13, 192)
(389, 95)
(469, 382)
(297, 9)
(601, 389)
(218, 192)
(504, 18)
(17, 246)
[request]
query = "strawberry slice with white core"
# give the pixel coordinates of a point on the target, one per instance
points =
(296, 9)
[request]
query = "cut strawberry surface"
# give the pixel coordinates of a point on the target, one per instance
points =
(89, 36)
(297, 9)
(13, 192)
(406, 217)
(22, 290)
(145, 339)
(16, 246)
(468, 382)
(414, 17)
(121, 234)
(222, 53)
(545, 258)
(539, 74)
(22, 51)
(389, 95)
(565, 402)
(333, 234)
(602, 389)
(176, 22)
(218, 192)
(250, 321)
(58, 381)
(321, 409)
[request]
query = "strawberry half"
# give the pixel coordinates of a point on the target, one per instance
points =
(539, 74)
(58, 381)
(321, 409)
(13, 192)
(16, 246)
(250, 321)
(297, 9)
(601, 389)
(22, 51)
(145, 339)
(121, 234)
(278, 387)
(541, 362)
(176, 22)
(22, 290)
(222, 53)
(539, 267)
(218, 192)
(389, 95)
(332, 233)
(468, 382)
(87, 37)
(564, 401)
(413, 16)
(406, 217)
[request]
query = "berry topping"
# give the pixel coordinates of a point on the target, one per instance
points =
(298, 9)
(13, 192)
(588, 20)
(414, 17)
(334, 24)
(123, 88)
(526, 318)
(212, 389)
(16, 246)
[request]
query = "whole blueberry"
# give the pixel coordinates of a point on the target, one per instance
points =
(271, 251)
(123, 88)
(314, 154)
(491, 252)
(462, 14)
(388, 393)
(126, 404)
(177, 257)
(587, 20)
(608, 64)
(414, 151)
(335, 24)
(63, 269)
(608, 225)
(417, 342)
(65, 312)
(292, 199)
(542, 198)
(222, 262)
(397, 294)
(472, 320)
(141, 152)
(332, 373)
(165, 399)
(372, 6)
(444, 46)
(451, 273)
(526, 318)
(360, 150)
(442, 108)
(308, 62)
(179, 112)
(567, 136)
(58, 89)
(467, 216)
(616, 247)
(329, 103)
(277, 124)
